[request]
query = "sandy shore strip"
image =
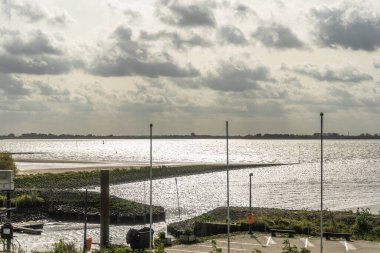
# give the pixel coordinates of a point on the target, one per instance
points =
(76, 169)
(62, 166)
(74, 166)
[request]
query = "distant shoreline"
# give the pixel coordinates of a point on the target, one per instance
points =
(316, 136)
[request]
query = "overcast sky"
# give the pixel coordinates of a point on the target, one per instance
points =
(114, 66)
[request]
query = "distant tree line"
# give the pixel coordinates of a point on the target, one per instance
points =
(190, 136)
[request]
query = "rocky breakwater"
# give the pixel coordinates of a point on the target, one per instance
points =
(69, 205)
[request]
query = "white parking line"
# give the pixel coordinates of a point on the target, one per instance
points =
(207, 246)
(270, 241)
(348, 246)
(307, 242)
(242, 243)
(182, 250)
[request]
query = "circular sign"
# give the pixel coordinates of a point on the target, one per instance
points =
(250, 218)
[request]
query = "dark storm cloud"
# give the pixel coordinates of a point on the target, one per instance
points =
(232, 35)
(12, 86)
(277, 36)
(348, 26)
(38, 65)
(332, 74)
(199, 14)
(38, 43)
(176, 39)
(237, 78)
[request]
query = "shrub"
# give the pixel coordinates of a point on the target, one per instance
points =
(65, 247)
(292, 249)
(364, 223)
(2, 200)
(158, 245)
(116, 249)
(7, 162)
(28, 200)
(215, 248)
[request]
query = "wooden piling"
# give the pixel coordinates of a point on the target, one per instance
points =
(104, 208)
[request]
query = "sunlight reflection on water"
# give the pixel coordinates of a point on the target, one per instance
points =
(352, 176)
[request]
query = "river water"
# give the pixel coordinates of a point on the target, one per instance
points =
(351, 175)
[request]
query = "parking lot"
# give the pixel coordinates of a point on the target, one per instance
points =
(267, 244)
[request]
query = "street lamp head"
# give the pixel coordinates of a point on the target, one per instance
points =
(250, 174)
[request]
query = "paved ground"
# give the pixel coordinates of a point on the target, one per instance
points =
(244, 243)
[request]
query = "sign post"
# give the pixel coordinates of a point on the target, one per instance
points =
(7, 184)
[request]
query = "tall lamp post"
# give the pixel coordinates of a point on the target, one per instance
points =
(228, 194)
(150, 194)
(85, 225)
(250, 200)
(321, 183)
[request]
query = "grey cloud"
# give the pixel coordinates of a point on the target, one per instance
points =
(60, 18)
(50, 90)
(176, 39)
(376, 63)
(38, 65)
(128, 66)
(342, 98)
(188, 15)
(237, 78)
(123, 36)
(232, 35)
(123, 33)
(348, 26)
(277, 36)
(12, 86)
(33, 12)
(132, 15)
(130, 58)
(332, 74)
(38, 43)
(242, 10)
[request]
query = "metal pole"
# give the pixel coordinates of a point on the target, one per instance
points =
(299, 154)
(179, 210)
(250, 200)
(150, 200)
(144, 202)
(85, 225)
(250, 192)
(9, 241)
(228, 194)
(321, 182)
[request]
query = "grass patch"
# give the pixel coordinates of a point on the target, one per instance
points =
(80, 179)
(362, 224)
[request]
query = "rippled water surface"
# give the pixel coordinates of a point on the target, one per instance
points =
(48, 153)
(351, 178)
